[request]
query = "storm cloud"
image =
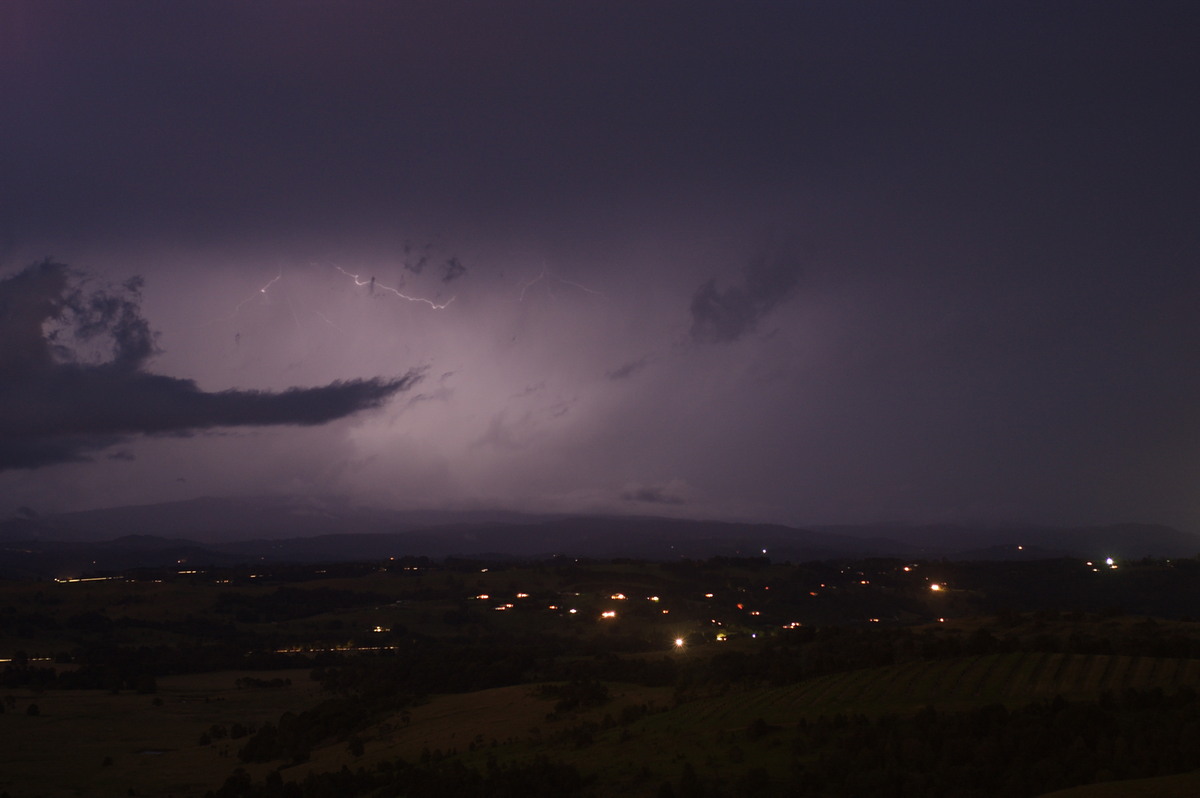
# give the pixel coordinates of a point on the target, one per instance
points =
(452, 270)
(722, 315)
(654, 494)
(934, 263)
(627, 370)
(73, 378)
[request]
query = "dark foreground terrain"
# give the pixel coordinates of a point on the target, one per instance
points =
(558, 677)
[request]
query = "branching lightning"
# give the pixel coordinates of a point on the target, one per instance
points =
(371, 284)
(546, 273)
(325, 319)
(271, 282)
(238, 307)
(262, 291)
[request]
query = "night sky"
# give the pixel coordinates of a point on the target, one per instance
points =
(823, 262)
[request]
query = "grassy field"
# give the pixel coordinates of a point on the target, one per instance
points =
(150, 742)
(719, 721)
(1183, 785)
(89, 742)
(1011, 679)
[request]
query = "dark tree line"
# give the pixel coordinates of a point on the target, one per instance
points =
(989, 752)
(993, 751)
(296, 734)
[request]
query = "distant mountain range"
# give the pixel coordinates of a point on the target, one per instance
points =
(213, 531)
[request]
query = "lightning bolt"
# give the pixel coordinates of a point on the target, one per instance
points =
(237, 308)
(546, 273)
(262, 291)
(374, 284)
(325, 319)
(271, 282)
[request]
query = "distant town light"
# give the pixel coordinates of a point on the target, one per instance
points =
(679, 642)
(935, 586)
(608, 614)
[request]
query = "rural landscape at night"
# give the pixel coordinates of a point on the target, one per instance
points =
(590, 398)
(299, 667)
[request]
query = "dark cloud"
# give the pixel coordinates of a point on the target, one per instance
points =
(72, 377)
(721, 315)
(651, 494)
(452, 270)
(531, 389)
(503, 434)
(442, 394)
(51, 315)
(417, 266)
(628, 369)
